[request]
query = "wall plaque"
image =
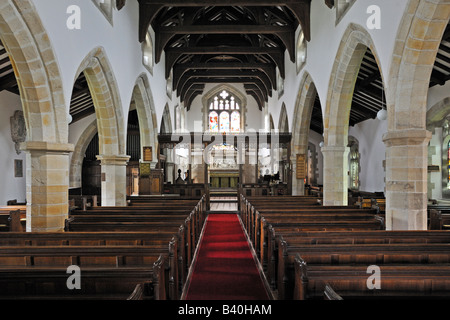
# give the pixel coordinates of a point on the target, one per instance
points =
(301, 166)
(434, 168)
(148, 156)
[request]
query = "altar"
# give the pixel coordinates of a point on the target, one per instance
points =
(224, 179)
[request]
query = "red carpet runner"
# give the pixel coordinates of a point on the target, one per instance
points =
(225, 268)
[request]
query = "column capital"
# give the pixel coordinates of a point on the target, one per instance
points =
(116, 160)
(47, 147)
(335, 149)
(407, 137)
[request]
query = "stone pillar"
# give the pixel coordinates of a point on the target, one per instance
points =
(47, 179)
(114, 180)
(335, 183)
(406, 179)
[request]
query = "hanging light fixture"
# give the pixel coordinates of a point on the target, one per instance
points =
(382, 114)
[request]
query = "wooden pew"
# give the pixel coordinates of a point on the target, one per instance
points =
(439, 217)
(142, 220)
(349, 256)
(350, 282)
(41, 272)
(12, 218)
(135, 239)
(295, 237)
(260, 235)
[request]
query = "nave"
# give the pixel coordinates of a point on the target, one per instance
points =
(273, 248)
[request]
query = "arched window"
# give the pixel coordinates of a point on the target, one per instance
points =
(235, 122)
(213, 122)
(229, 120)
(225, 122)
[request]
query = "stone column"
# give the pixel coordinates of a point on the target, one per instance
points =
(406, 179)
(114, 180)
(335, 168)
(47, 179)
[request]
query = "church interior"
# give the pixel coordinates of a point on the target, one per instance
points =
(224, 150)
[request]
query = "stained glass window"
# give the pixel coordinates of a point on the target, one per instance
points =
(224, 122)
(230, 116)
(235, 122)
(213, 122)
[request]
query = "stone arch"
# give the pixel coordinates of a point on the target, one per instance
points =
(415, 50)
(301, 126)
(283, 122)
(166, 121)
(41, 92)
(354, 44)
(36, 70)
(145, 108)
(437, 113)
(416, 47)
(105, 95)
(76, 164)
(110, 124)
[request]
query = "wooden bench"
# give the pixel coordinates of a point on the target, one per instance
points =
(13, 218)
(43, 283)
(344, 255)
(295, 237)
(350, 282)
(80, 239)
(41, 271)
(313, 222)
(439, 217)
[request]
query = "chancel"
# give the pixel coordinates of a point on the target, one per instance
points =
(234, 150)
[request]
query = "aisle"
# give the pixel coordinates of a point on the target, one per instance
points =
(225, 268)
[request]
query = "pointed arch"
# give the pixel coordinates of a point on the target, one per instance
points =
(283, 122)
(145, 108)
(166, 121)
(36, 70)
(105, 95)
(301, 126)
(76, 164)
(417, 43)
(46, 117)
(354, 44)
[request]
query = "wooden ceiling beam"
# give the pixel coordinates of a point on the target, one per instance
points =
(223, 3)
(163, 34)
(254, 81)
(180, 70)
(174, 54)
(222, 76)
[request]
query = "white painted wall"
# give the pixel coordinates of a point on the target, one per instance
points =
(10, 186)
(369, 133)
